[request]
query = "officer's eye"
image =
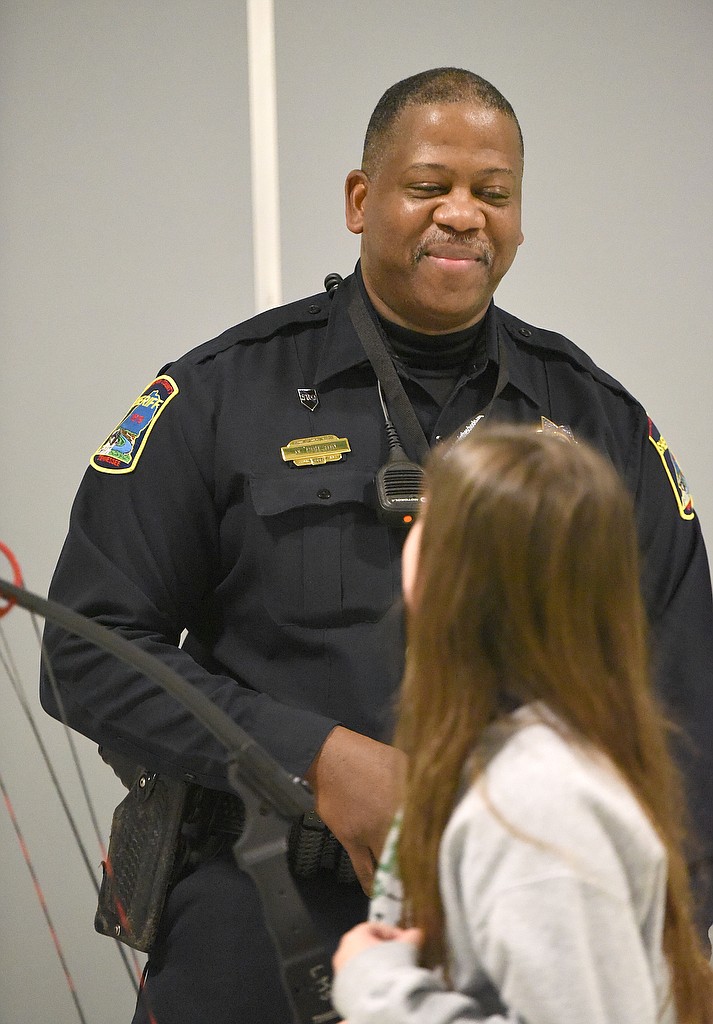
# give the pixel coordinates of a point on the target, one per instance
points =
(494, 196)
(427, 188)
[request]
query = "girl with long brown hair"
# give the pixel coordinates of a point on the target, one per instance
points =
(536, 872)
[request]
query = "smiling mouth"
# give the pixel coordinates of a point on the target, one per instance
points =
(455, 261)
(455, 256)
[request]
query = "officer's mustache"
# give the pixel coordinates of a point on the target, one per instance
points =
(456, 245)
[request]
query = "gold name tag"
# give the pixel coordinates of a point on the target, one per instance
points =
(315, 451)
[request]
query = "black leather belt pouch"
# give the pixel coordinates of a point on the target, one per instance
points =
(141, 861)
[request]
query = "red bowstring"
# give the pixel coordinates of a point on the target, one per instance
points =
(18, 581)
(42, 902)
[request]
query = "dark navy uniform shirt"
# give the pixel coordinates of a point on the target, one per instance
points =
(189, 519)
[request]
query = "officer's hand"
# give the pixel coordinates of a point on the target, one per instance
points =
(357, 784)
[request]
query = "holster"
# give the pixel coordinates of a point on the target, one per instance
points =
(143, 855)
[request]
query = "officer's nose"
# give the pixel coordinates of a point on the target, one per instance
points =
(460, 211)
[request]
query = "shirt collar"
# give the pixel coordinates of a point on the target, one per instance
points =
(342, 350)
(519, 362)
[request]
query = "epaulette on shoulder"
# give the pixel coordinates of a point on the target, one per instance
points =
(538, 338)
(263, 326)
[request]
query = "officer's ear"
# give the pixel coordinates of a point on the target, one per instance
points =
(355, 189)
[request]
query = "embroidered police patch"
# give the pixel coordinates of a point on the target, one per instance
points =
(122, 449)
(674, 473)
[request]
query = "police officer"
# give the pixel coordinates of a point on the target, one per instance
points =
(236, 501)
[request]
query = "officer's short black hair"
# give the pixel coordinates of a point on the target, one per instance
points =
(439, 85)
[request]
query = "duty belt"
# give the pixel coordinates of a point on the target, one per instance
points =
(312, 848)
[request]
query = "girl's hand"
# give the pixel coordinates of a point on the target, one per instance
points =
(368, 934)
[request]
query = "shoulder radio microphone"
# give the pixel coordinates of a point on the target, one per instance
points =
(399, 481)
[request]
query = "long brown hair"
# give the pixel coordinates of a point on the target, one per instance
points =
(528, 589)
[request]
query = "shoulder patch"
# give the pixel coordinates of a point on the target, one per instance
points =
(673, 472)
(122, 449)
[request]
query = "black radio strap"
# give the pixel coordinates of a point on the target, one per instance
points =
(401, 411)
(409, 429)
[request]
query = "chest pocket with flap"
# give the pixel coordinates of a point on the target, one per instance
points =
(324, 558)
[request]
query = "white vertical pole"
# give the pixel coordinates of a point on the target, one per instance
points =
(263, 154)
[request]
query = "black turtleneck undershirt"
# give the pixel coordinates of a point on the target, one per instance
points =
(435, 361)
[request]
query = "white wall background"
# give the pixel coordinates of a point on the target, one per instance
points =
(125, 222)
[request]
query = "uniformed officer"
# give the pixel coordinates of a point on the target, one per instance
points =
(236, 501)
